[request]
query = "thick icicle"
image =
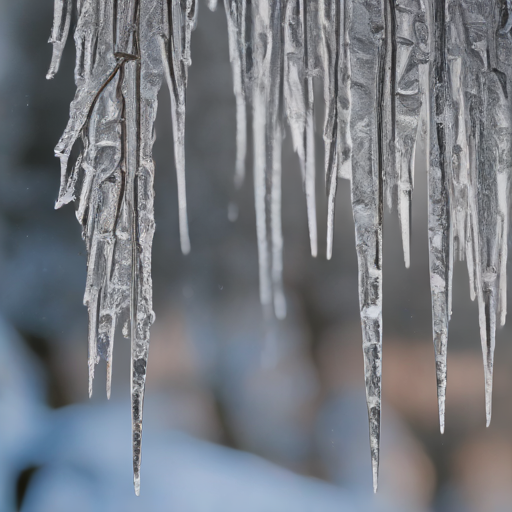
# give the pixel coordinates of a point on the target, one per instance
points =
(439, 176)
(368, 57)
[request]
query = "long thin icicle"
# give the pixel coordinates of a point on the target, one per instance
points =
(175, 72)
(335, 21)
(439, 214)
(298, 99)
(267, 133)
(236, 12)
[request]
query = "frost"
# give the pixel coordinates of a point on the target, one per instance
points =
(394, 73)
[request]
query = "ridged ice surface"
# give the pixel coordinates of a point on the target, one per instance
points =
(125, 50)
(393, 72)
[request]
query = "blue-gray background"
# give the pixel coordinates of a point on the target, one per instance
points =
(235, 420)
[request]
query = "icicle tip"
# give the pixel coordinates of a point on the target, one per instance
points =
(488, 412)
(442, 409)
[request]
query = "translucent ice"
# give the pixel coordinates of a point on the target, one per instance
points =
(124, 51)
(393, 72)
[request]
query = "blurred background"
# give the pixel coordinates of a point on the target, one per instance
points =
(239, 415)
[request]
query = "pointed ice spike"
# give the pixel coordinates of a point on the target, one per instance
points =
(60, 30)
(137, 370)
(141, 107)
(310, 186)
(99, 196)
(330, 23)
(298, 99)
(489, 122)
(409, 52)
(439, 215)
(367, 31)
(309, 136)
(334, 19)
(236, 20)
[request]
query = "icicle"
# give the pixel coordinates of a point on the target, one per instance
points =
(335, 21)
(439, 214)
(367, 31)
(489, 135)
(330, 20)
(298, 99)
(267, 132)
(118, 78)
(236, 12)
(409, 54)
(460, 153)
(59, 36)
(392, 71)
(176, 77)
(98, 213)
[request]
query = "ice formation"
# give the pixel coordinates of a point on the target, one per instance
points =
(394, 72)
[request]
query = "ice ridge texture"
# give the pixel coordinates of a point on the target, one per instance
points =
(395, 73)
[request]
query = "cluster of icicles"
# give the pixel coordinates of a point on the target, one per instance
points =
(393, 72)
